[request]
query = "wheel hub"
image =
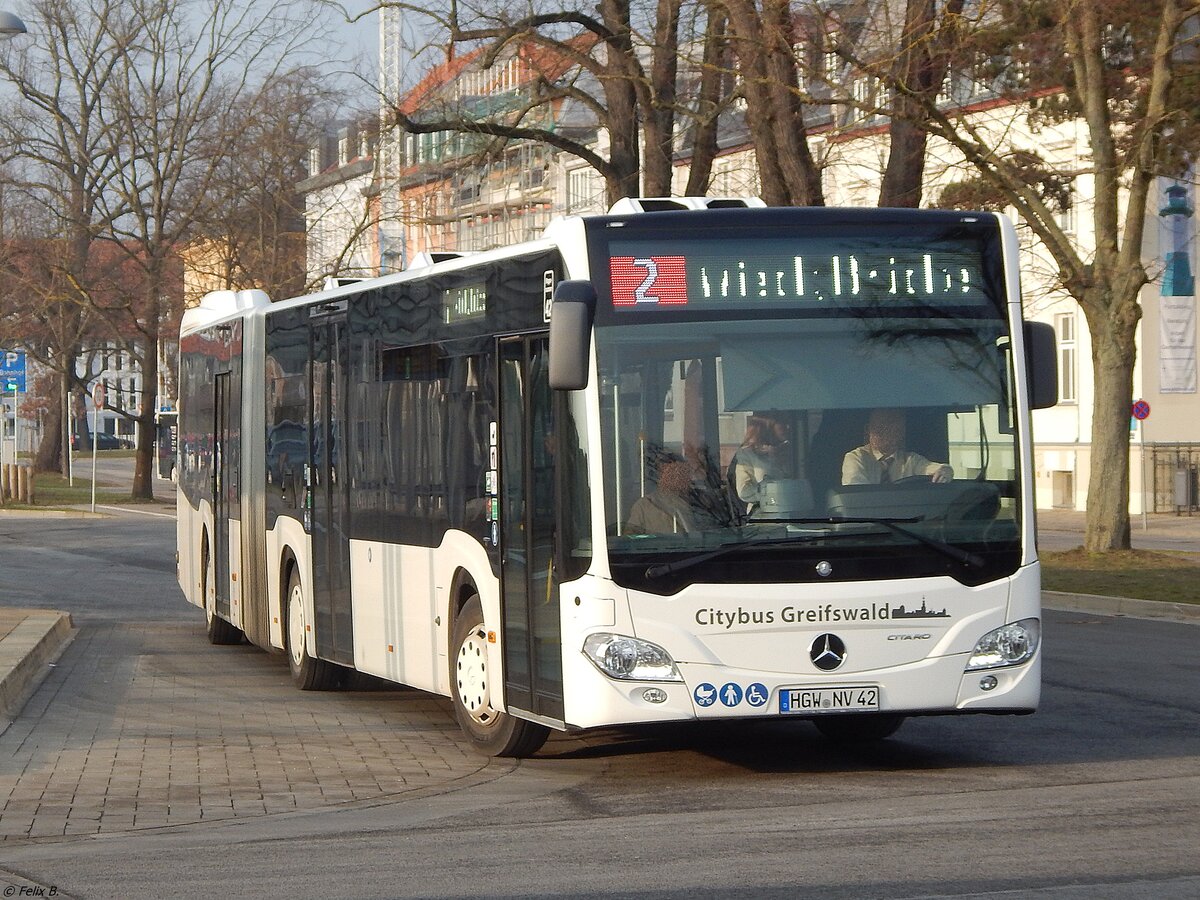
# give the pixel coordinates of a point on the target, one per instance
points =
(472, 679)
(296, 625)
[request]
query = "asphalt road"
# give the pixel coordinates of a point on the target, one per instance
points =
(143, 728)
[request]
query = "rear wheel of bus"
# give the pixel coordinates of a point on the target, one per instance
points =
(308, 673)
(471, 685)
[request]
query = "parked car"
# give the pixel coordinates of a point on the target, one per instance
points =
(104, 441)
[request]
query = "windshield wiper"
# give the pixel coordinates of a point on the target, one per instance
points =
(949, 550)
(679, 565)
(965, 557)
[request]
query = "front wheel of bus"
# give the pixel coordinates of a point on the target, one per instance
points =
(309, 674)
(862, 728)
(471, 684)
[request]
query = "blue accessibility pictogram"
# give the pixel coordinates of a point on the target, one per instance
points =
(731, 694)
(705, 694)
(756, 694)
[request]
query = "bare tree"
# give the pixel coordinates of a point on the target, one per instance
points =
(172, 115)
(1127, 72)
(712, 99)
(764, 40)
(127, 119)
(253, 221)
(929, 35)
(61, 164)
(617, 60)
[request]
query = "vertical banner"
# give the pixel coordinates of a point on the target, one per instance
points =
(1177, 314)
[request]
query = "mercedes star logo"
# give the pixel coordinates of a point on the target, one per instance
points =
(827, 652)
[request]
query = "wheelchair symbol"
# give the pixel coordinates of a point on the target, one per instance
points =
(756, 694)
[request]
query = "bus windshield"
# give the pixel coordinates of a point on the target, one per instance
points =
(861, 431)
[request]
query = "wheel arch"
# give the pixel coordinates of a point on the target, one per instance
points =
(205, 557)
(287, 564)
(462, 588)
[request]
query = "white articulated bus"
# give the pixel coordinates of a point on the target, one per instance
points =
(609, 477)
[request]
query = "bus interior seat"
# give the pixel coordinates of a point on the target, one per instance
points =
(840, 431)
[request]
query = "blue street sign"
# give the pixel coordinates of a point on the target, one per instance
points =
(12, 371)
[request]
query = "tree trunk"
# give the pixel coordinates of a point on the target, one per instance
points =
(904, 176)
(620, 94)
(1107, 522)
(746, 30)
(658, 116)
(920, 70)
(708, 106)
(143, 469)
(787, 173)
(791, 133)
(49, 452)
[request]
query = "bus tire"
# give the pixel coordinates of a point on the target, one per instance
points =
(491, 732)
(308, 673)
(860, 728)
(218, 630)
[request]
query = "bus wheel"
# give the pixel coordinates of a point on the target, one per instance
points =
(859, 729)
(219, 631)
(471, 683)
(309, 674)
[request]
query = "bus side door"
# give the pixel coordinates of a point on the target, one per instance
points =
(329, 484)
(225, 500)
(529, 588)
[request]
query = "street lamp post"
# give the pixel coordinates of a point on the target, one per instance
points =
(10, 25)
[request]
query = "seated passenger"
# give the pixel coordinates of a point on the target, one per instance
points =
(882, 459)
(667, 509)
(762, 457)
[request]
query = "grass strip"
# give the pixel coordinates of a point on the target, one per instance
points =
(1139, 574)
(53, 490)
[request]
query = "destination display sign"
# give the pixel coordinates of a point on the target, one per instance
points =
(468, 301)
(707, 274)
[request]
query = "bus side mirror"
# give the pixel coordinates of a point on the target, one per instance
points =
(571, 314)
(1041, 365)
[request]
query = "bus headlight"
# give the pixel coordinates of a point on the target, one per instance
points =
(1009, 645)
(629, 658)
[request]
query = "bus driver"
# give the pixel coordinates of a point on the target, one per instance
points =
(883, 460)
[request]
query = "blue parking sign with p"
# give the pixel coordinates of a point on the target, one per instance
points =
(12, 371)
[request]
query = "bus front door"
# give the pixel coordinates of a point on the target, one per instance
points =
(529, 588)
(327, 432)
(224, 490)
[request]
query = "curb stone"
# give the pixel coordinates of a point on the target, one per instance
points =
(1182, 613)
(37, 639)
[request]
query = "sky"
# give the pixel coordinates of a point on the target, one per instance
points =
(357, 48)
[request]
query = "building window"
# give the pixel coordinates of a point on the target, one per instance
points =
(585, 190)
(863, 89)
(832, 63)
(945, 95)
(1064, 325)
(1066, 212)
(343, 146)
(799, 54)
